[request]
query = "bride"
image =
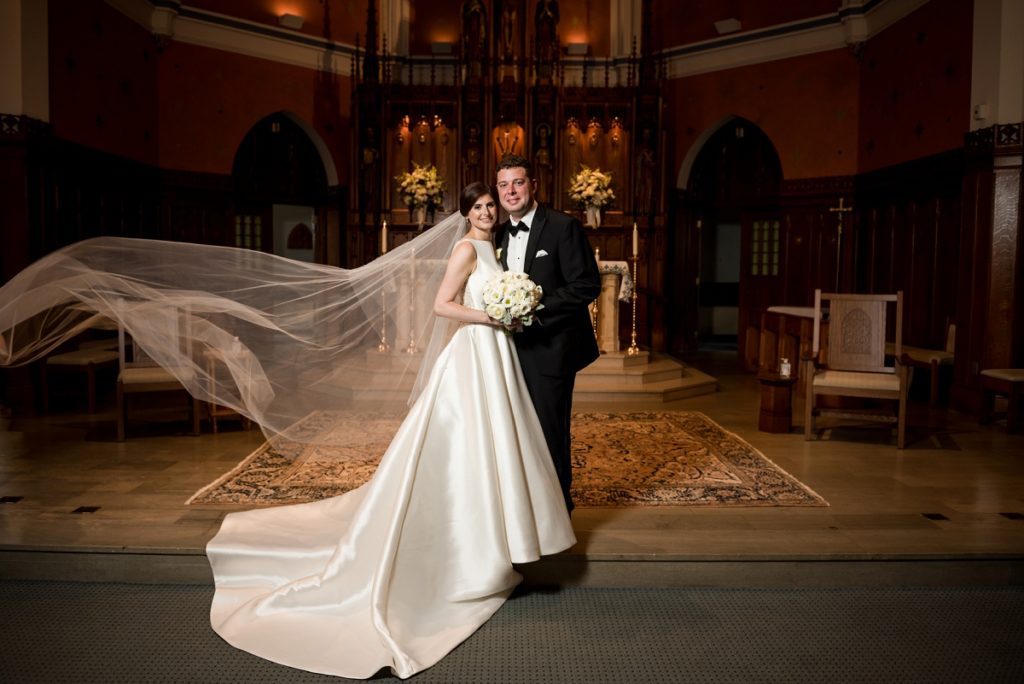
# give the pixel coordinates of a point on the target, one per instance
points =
(398, 572)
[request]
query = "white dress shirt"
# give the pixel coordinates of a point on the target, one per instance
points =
(517, 243)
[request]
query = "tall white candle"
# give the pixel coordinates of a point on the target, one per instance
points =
(384, 238)
(636, 240)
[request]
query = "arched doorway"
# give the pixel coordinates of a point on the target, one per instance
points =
(727, 238)
(281, 180)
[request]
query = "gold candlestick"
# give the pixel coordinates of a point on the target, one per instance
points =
(594, 307)
(383, 347)
(411, 347)
(633, 350)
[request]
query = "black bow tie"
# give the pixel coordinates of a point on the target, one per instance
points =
(514, 228)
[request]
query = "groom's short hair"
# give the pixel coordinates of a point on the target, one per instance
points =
(514, 161)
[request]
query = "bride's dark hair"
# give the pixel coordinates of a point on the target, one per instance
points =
(471, 193)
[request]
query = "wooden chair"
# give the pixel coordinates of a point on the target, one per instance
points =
(855, 362)
(87, 361)
(928, 359)
(141, 374)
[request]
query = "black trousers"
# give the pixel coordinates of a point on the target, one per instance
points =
(552, 399)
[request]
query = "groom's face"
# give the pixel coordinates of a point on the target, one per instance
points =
(515, 191)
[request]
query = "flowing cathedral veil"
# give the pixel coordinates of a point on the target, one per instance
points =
(272, 338)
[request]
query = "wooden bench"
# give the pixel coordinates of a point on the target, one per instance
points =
(1004, 381)
(930, 359)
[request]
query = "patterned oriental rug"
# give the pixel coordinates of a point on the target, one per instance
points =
(678, 458)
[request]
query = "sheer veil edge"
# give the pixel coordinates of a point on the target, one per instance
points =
(275, 339)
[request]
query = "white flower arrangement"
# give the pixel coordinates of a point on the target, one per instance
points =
(512, 298)
(591, 187)
(421, 187)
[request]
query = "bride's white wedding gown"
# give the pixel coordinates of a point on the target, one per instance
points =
(400, 571)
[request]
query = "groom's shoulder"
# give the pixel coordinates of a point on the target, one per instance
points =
(553, 216)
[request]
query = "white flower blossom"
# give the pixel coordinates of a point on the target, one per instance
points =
(512, 298)
(421, 187)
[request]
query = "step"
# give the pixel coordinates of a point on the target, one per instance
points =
(190, 566)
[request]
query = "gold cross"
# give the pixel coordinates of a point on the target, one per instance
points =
(840, 210)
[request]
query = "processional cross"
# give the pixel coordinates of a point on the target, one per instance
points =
(839, 211)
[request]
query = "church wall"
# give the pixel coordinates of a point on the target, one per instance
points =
(584, 21)
(806, 105)
(339, 19)
(432, 21)
(209, 99)
(908, 238)
(103, 86)
(695, 21)
(916, 86)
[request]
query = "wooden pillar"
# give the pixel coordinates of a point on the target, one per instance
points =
(990, 303)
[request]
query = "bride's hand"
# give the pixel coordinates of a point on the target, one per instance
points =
(513, 327)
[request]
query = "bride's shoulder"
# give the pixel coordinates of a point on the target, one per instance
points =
(464, 250)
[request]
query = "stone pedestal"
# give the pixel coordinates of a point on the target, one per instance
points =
(608, 313)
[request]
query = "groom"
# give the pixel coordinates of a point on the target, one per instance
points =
(553, 250)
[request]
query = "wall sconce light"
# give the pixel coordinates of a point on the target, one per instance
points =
(576, 49)
(291, 21)
(727, 26)
(441, 48)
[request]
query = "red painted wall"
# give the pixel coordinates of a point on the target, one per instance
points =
(583, 21)
(806, 105)
(916, 85)
(692, 21)
(341, 20)
(209, 99)
(433, 21)
(103, 83)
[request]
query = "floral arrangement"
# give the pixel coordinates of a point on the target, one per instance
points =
(591, 188)
(421, 187)
(512, 299)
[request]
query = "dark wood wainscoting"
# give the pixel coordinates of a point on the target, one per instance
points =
(908, 238)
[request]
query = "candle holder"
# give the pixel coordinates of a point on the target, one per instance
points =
(633, 350)
(411, 347)
(594, 307)
(383, 347)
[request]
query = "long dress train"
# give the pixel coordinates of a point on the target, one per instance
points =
(401, 570)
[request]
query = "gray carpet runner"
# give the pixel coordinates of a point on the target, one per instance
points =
(77, 632)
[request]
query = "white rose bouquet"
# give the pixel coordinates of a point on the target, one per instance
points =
(591, 188)
(512, 298)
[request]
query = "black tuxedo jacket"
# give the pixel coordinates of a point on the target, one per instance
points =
(559, 259)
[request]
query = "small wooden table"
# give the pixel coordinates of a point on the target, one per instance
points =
(776, 402)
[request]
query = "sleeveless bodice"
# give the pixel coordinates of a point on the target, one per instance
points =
(486, 266)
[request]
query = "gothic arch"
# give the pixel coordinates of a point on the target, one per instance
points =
(684, 176)
(321, 147)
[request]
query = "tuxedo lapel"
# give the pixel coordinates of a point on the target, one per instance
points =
(503, 245)
(540, 218)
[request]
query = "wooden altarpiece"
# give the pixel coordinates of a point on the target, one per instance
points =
(511, 87)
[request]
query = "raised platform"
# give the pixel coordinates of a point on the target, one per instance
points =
(614, 377)
(618, 377)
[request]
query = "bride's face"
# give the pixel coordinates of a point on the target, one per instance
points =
(483, 215)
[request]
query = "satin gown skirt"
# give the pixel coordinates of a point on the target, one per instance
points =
(397, 573)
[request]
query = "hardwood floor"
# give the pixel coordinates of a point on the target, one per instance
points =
(950, 507)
